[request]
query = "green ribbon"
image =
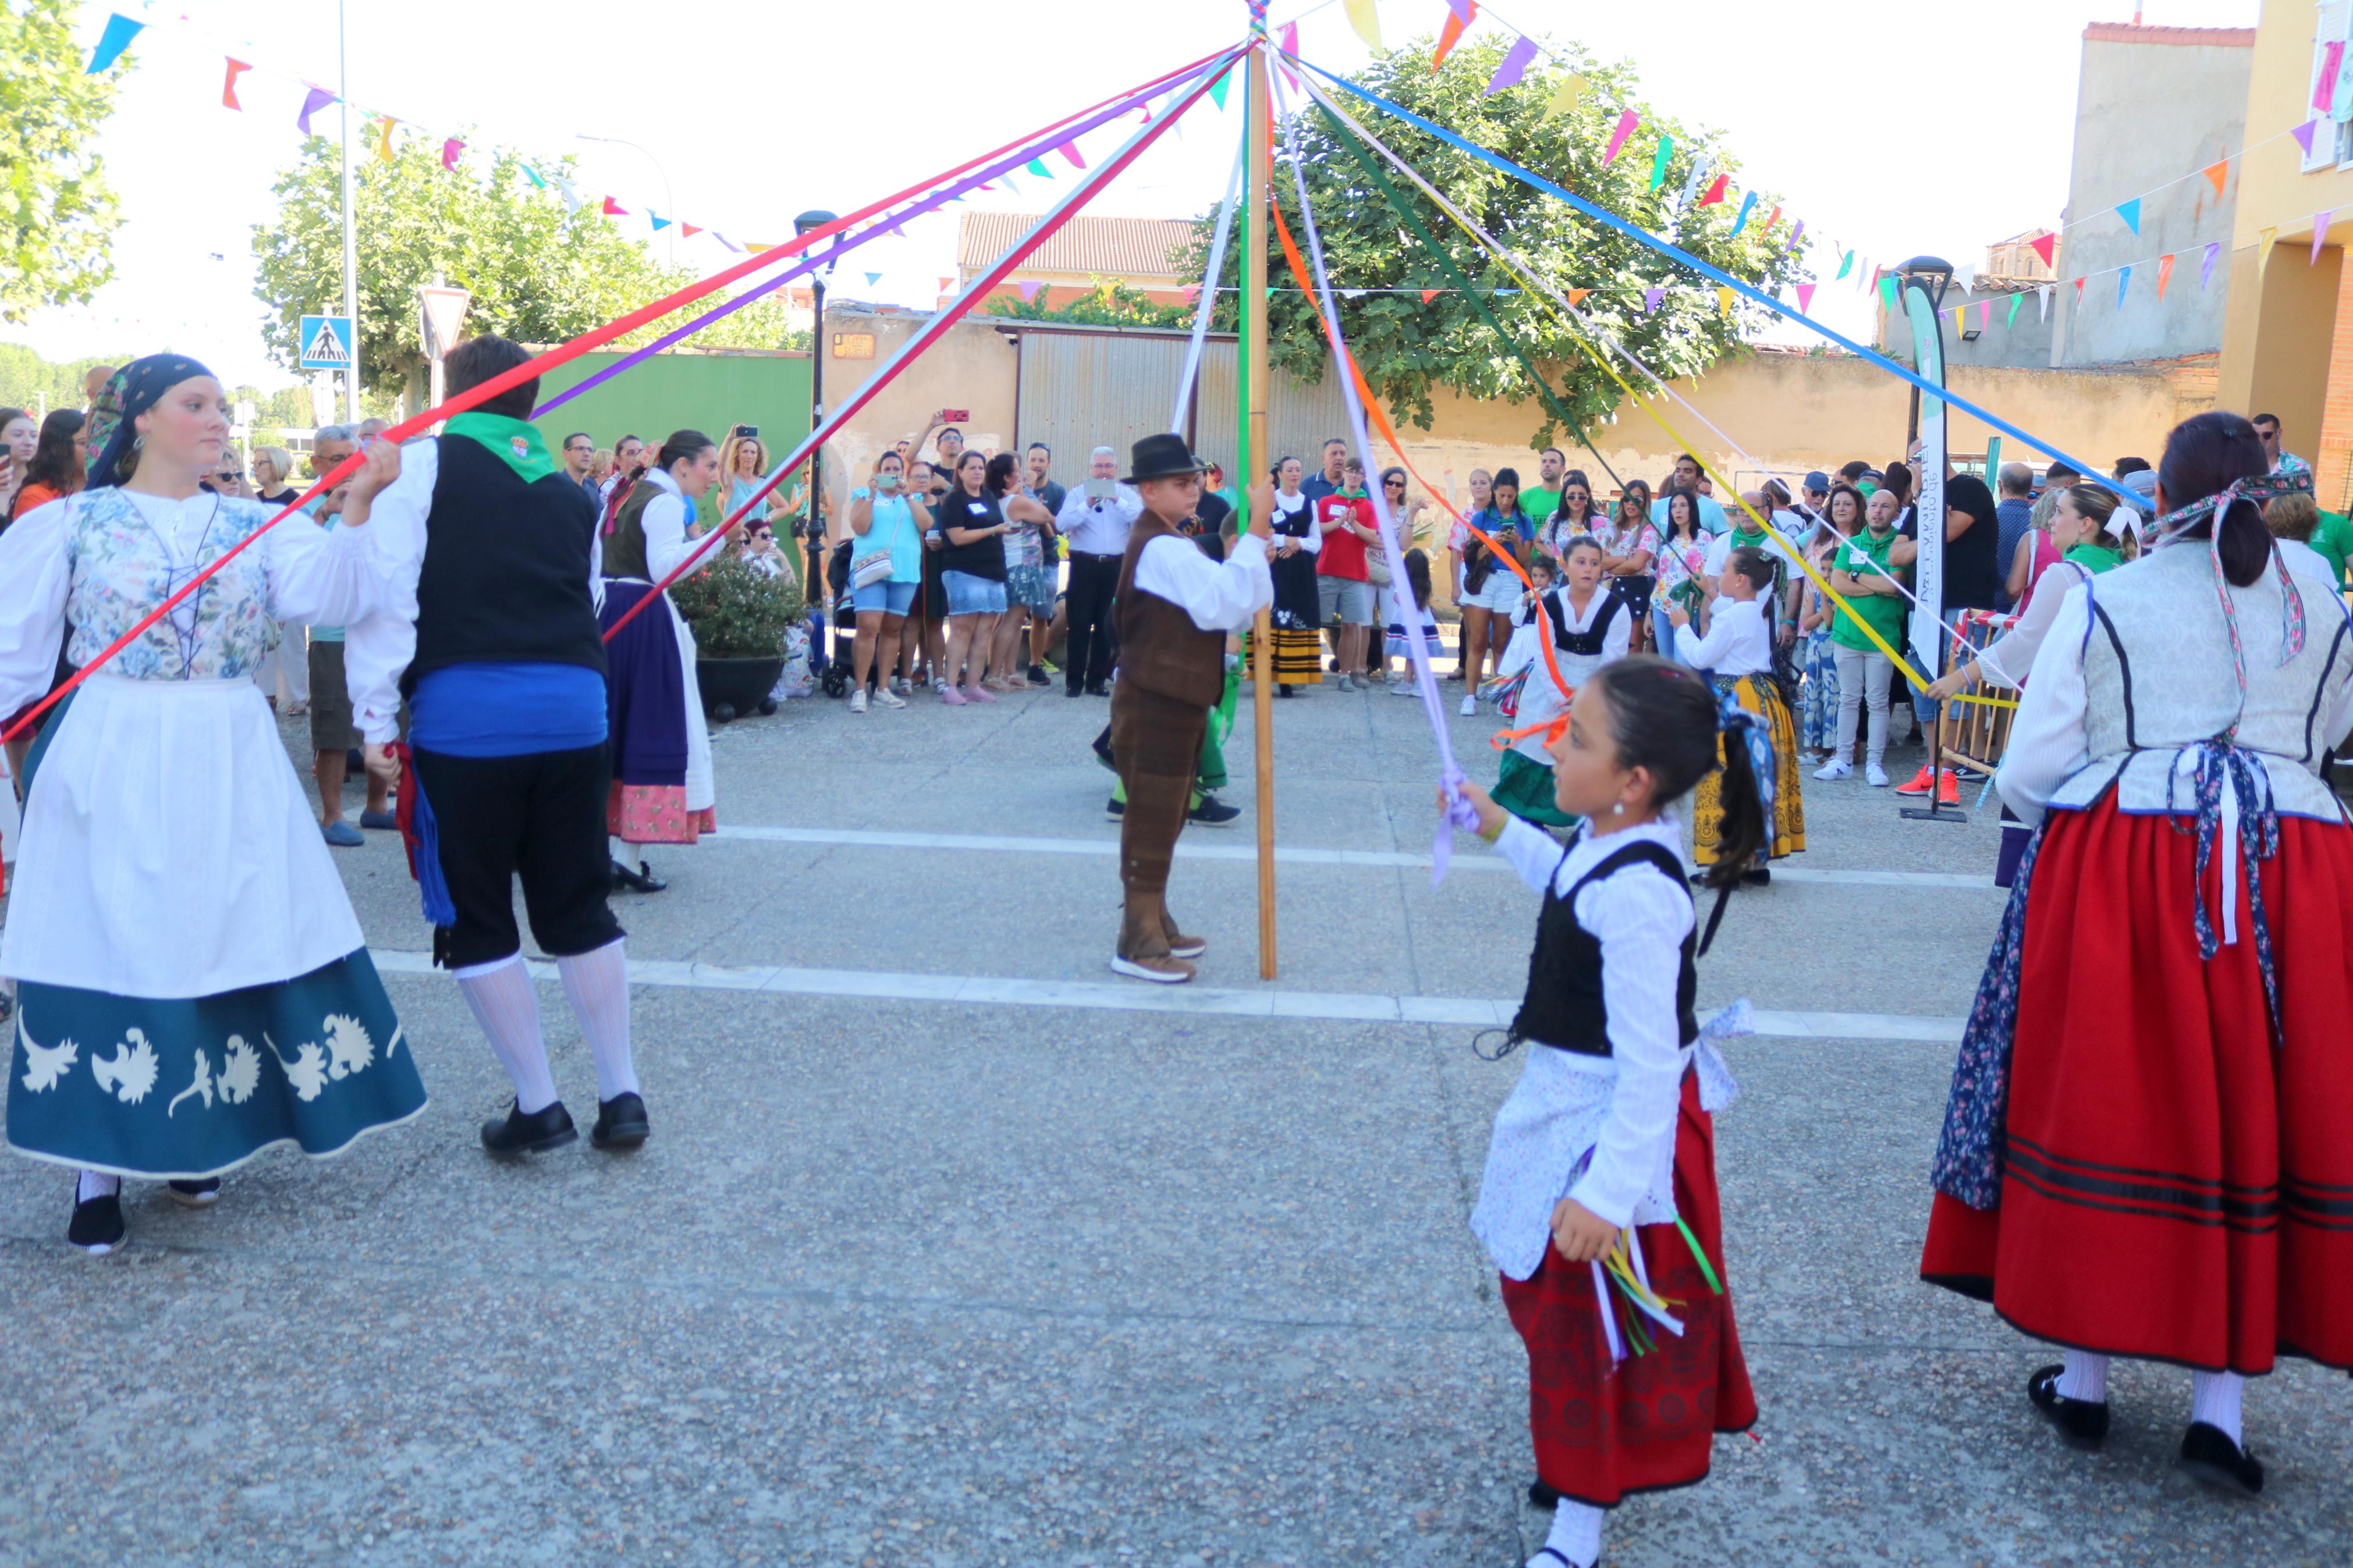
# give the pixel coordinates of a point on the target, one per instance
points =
(517, 443)
(1699, 1256)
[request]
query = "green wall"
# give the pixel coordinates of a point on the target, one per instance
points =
(711, 393)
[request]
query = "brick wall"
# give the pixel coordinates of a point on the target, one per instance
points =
(2332, 458)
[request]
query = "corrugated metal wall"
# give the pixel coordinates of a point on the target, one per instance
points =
(1084, 390)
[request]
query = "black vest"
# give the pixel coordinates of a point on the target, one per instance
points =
(505, 576)
(1562, 1006)
(1586, 642)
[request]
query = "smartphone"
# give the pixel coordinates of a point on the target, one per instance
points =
(886, 483)
(1101, 490)
(747, 432)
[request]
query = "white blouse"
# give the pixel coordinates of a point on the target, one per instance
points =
(1220, 596)
(1540, 700)
(1600, 1130)
(2007, 659)
(1738, 641)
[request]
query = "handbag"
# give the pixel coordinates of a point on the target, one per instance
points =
(870, 570)
(1376, 570)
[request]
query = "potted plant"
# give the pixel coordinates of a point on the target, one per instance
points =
(739, 614)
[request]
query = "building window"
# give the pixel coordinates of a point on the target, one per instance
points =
(2331, 89)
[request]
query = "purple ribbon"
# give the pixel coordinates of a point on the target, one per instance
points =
(810, 262)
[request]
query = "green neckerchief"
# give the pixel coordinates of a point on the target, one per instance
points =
(517, 443)
(1743, 540)
(2094, 558)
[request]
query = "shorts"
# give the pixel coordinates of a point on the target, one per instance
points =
(1030, 587)
(330, 698)
(890, 598)
(1500, 592)
(1346, 600)
(971, 595)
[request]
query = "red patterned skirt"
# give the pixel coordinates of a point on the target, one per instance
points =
(2173, 1186)
(1649, 1422)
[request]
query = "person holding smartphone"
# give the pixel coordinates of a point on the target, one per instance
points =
(1095, 519)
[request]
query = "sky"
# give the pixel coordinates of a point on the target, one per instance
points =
(749, 112)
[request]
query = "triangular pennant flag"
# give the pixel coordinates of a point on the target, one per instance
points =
(762, 244)
(449, 151)
(1577, 297)
(1464, 11)
(1692, 176)
(1352, 293)
(1805, 297)
(1985, 314)
(1287, 36)
(1192, 293)
(535, 176)
(1797, 234)
(2130, 211)
(2163, 274)
(2320, 232)
(1887, 291)
(228, 86)
(120, 30)
(944, 282)
(1070, 150)
(1748, 206)
(317, 99)
(1724, 301)
(2015, 301)
(2079, 293)
(872, 279)
(1366, 22)
(688, 230)
(1218, 87)
(2303, 134)
(1846, 265)
(1773, 219)
(1038, 167)
(383, 124)
(2045, 245)
(1626, 121)
(2264, 238)
(1515, 63)
(1715, 191)
(2043, 302)
(1965, 275)
(1566, 92)
(1651, 298)
(1659, 161)
(1960, 318)
(2217, 172)
(1449, 35)
(1427, 295)
(570, 192)
(2206, 268)
(2123, 281)
(655, 219)
(1028, 291)
(614, 209)
(728, 243)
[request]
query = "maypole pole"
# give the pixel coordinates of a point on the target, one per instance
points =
(1253, 456)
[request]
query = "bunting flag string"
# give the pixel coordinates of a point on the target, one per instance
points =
(1450, 34)
(1514, 66)
(450, 149)
(2163, 274)
(1626, 121)
(2130, 211)
(1659, 161)
(112, 41)
(2320, 233)
(317, 99)
(236, 69)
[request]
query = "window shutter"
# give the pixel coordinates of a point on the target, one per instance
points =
(2328, 62)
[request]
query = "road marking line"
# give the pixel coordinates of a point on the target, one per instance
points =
(1004, 843)
(1346, 1006)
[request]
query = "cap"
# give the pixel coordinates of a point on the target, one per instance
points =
(1817, 480)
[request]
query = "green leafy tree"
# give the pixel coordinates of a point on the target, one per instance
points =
(57, 214)
(538, 272)
(1408, 348)
(1110, 303)
(28, 381)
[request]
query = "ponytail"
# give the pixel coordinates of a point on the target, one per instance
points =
(2204, 455)
(1665, 718)
(1742, 836)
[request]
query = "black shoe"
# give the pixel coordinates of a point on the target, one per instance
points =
(1281, 691)
(641, 881)
(2081, 1423)
(97, 1225)
(1098, 689)
(532, 1134)
(1116, 809)
(196, 1194)
(2208, 1453)
(621, 1122)
(1073, 691)
(1038, 676)
(1211, 812)
(1757, 877)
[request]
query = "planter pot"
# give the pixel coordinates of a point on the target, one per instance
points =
(731, 687)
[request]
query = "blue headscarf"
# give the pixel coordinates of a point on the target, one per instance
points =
(131, 392)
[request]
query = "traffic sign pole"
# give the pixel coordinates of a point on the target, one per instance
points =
(351, 227)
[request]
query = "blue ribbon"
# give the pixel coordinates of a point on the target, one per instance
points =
(1675, 253)
(1738, 725)
(2220, 762)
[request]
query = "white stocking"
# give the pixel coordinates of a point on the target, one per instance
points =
(2084, 1377)
(507, 1008)
(2214, 1399)
(96, 1184)
(1575, 1535)
(626, 853)
(597, 983)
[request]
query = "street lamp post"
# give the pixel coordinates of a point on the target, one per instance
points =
(812, 528)
(669, 198)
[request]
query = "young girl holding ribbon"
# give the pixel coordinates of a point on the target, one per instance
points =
(1599, 1204)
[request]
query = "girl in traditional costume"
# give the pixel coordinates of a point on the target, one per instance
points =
(1599, 1203)
(1589, 626)
(192, 986)
(1737, 654)
(2148, 1149)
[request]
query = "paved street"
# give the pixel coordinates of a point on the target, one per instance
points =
(951, 1248)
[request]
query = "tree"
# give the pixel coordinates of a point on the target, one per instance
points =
(28, 381)
(57, 213)
(1408, 348)
(1110, 303)
(538, 272)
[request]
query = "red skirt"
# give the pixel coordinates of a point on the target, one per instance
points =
(2173, 1186)
(1650, 1421)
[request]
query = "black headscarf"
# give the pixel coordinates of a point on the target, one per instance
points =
(131, 392)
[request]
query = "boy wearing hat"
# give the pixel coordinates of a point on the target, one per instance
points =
(1173, 610)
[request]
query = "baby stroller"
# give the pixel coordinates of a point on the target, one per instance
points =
(841, 666)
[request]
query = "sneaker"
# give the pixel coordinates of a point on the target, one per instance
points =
(1833, 770)
(97, 1225)
(297, 710)
(195, 1195)
(621, 1122)
(379, 822)
(978, 694)
(1875, 776)
(1211, 812)
(904, 687)
(516, 1133)
(1948, 790)
(342, 835)
(1404, 688)
(1165, 970)
(1115, 810)
(1470, 709)
(1038, 676)
(952, 697)
(1919, 784)
(858, 700)
(888, 698)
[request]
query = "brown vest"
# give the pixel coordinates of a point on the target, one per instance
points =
(625, 547)
(1160, 648)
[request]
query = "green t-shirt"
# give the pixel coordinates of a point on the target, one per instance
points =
(1885, 612)
(2334, 539)
(1539, 504)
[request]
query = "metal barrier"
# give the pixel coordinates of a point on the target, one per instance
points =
(1984, 727)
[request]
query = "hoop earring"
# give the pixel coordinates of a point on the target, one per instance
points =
(139, 442)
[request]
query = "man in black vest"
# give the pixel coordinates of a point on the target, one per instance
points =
(1172, 609)
(490, 633)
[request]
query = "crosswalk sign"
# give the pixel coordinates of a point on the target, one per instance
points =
(326, 342)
